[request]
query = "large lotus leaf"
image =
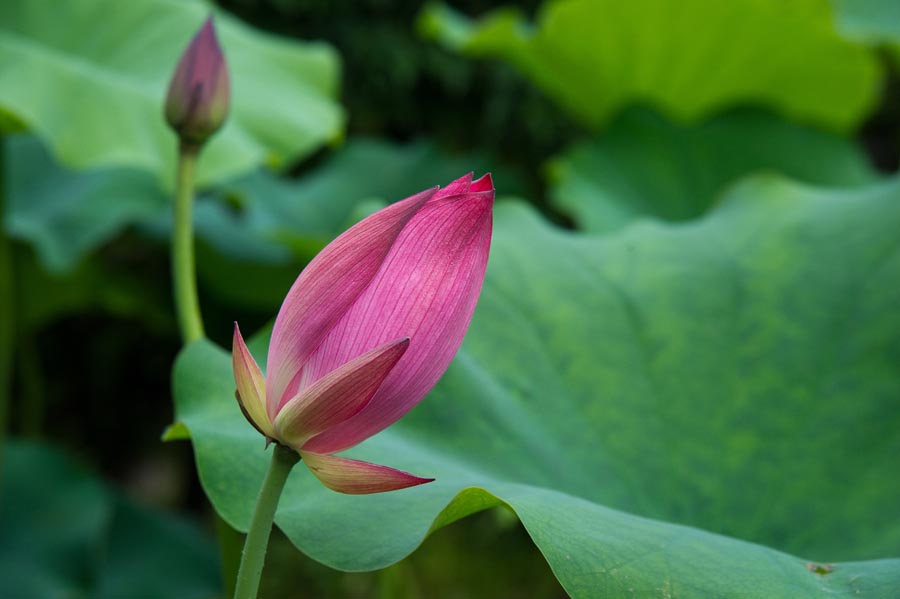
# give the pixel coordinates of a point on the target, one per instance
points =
(65, 534)
(688, 58)
(646, 166)
(90, 77)
(736, 374)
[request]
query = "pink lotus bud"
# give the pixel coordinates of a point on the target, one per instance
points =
(367, 330)
(197, 103)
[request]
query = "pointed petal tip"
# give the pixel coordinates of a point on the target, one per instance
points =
(251, 385)
(484, 183)
(354, 477)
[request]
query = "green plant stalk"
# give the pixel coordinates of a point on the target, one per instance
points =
(254, 556)
(187, 305)
(7, 310)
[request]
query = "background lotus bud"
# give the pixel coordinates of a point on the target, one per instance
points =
(367, 330)
(198, 98)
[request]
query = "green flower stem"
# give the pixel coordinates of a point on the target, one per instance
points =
(7, 309)
(283, 459)
(186, 303)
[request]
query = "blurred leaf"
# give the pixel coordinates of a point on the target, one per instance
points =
(66, 214)
(689, 58)
(306, 213)
(871, 20)
(66, 535)
(736, 373)
(645, 166)
(89, 77)
(263, 228)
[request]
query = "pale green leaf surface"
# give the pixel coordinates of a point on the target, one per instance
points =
(647, 167)
(689, 59)
(90, 78)
(735, 374)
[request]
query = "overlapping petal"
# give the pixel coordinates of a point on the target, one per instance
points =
(427, 288)
(355, 477)
(338, 395)
(405, 282)
(324, 291)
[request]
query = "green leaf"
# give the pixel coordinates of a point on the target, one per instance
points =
(735, 374)
(645, 166)
(689, 59)
(90, 76)
(66, 535)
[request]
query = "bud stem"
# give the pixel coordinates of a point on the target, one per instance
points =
(254, 556)
(186, 303)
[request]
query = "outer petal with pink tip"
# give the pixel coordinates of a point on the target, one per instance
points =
(426, 287)
(326, 289)
(338, 395)
(358, 478)
(251, 385)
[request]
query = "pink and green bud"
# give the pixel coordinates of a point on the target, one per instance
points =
(199, 93)
(367, 330)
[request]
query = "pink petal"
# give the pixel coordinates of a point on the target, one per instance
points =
(338, 395)
(358, 478)
(485, 183)
(324, 291)
(427, 288)
(251, 385)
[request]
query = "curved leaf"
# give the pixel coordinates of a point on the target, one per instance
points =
(645, 166)
(737, 374)
(90, 77)
(689, 58)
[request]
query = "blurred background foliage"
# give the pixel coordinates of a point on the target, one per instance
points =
(598, 113)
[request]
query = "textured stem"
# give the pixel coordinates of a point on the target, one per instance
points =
(283, 459)
(184, 279)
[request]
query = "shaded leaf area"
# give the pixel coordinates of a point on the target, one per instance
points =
(600, 397)
(65, 534)
(113, 83)
(595, 57)
(258, 221)
(646, 166)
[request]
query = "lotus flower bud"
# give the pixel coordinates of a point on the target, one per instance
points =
(367, 330)
(197, 102)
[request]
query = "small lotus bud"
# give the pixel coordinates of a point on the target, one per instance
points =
(197, 103)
